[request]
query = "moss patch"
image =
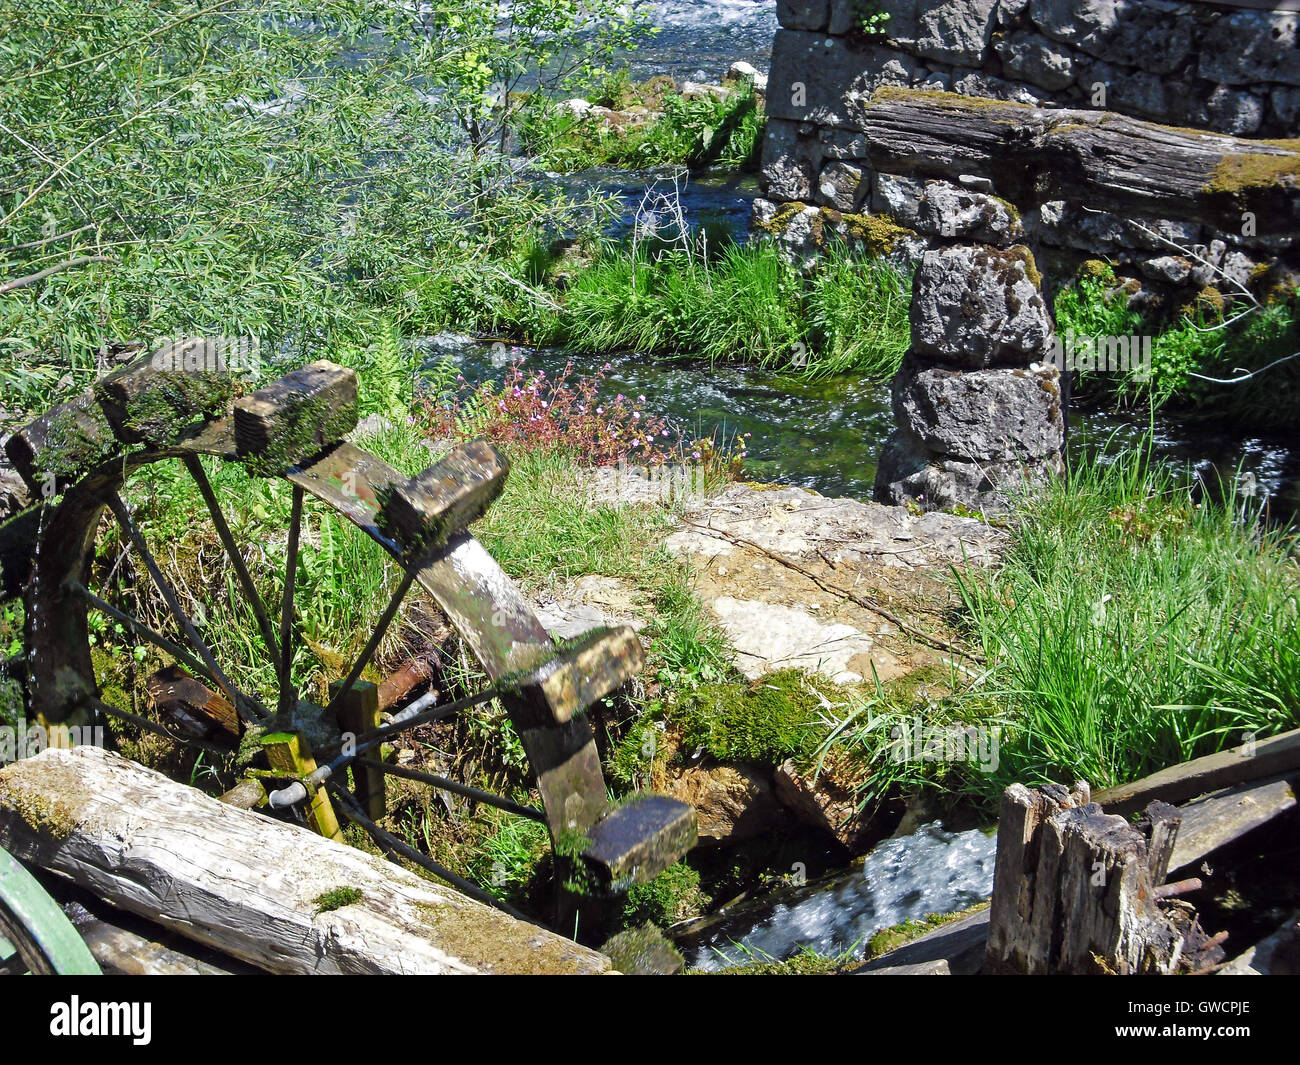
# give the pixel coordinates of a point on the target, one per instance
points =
(337, 898)
(1255, 170)
(766, 722)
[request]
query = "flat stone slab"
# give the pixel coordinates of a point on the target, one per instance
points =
(768, 638)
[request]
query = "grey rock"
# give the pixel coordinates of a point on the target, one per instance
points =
(1233, 111)
(843, 144)
(1010, 11)
(1135, 92)
(994, 88)
(946, 210)
(908, 472)
(955, 31)
(1152, 35)
(937, 81)
(899, 197)
(803, 14)
(1252, 46)
(1286, 110)
(977, 306)
(1174, 269)
(789, 161)
(843, 186)
(981, 415)
(821, 79)
(1035, 59)
(900, 28)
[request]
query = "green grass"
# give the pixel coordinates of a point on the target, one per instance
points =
(696, 132)
(1130, 628)
(1202, 339)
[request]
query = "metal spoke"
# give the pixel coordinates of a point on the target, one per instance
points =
(381, 628)
(387, 840)
(246, 707)
(142, 630)
(455, 787)
(289, 697)
(251, 594)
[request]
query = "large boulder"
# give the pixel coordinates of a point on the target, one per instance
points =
(732, 802)
(909, 473)
(976, 306)
(981, 415)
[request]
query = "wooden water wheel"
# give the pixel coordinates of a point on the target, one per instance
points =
(178, 405)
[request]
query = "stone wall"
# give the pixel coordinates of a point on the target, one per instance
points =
(1188, 64)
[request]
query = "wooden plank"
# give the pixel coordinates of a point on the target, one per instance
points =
(191, 705)
(1222, 816)
(596, 663)
(250, 886)
(158, 396)
(1253, 761)
(294, 418)
(426, 510)
(62, 445)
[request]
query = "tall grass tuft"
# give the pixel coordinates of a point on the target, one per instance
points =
(1131, 627)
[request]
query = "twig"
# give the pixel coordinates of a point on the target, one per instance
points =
(40, 275)
(869, 602)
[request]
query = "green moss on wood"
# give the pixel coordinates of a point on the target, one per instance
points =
(337, 898)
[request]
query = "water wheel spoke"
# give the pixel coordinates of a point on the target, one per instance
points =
(288, 696)
(455, 787)
(140, 629)
(249, 708)
(363, 659)
(254, 599)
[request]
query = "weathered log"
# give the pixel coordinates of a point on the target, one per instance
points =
(1075, 891)
(256, 889)
(1221, 817)
(294, 418)
(1252, 761)
(1097, 158)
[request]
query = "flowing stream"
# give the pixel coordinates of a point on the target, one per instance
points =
(904, 878)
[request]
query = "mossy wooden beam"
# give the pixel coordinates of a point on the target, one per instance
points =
(290, 753)
(358, 713)
(62, 445)
(295, 418)
(432, 506)
(593, 665)
(158, 396)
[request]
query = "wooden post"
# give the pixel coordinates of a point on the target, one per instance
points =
(359, 713)
(1074, 890)
(290, 753)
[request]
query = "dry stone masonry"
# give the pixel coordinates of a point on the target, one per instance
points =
(860, 122)
(976, 404)
(1191, 64)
